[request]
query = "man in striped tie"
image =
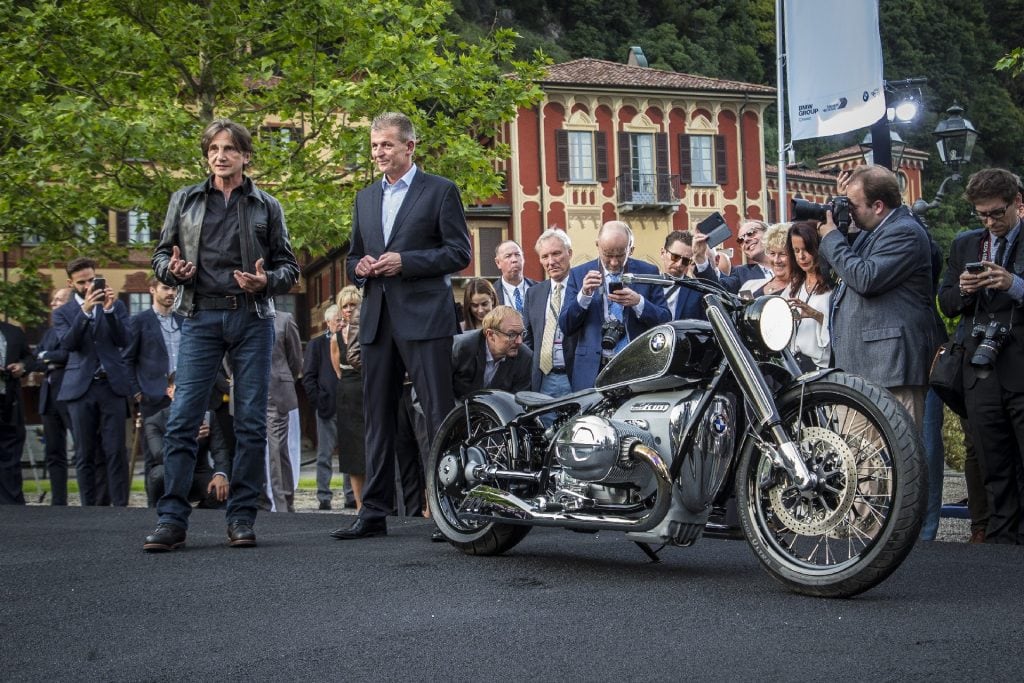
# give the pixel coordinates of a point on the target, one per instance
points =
(512, 286)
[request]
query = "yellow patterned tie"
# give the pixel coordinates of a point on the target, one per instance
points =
(547, 344)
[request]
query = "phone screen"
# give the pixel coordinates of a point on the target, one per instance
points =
(614, 286)
(99, 284)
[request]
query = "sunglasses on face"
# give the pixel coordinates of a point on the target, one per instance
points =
(679, 258)
(749, 234)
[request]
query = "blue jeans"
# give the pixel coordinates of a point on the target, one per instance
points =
(935, 457)
(249, 341)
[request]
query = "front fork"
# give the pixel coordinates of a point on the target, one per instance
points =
(784, 451)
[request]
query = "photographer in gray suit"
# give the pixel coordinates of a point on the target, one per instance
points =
(881, 319)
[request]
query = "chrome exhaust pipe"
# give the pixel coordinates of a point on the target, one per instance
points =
(487, 503)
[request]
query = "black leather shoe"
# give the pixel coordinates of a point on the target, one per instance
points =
(362, 529)
(241, 535)
(437, 536)
(166, 537)
(325, 505)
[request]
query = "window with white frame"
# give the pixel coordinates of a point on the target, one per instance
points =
(139, 302)
(138, 227)
(702, 159)
(581, 157)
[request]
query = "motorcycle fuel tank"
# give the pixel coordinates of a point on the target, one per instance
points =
(663, 356)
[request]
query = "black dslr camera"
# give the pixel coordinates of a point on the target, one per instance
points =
(993, 335)
(804, 210)
(612, 332)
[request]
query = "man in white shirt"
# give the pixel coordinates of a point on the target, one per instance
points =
(512, 286)
(552, 350)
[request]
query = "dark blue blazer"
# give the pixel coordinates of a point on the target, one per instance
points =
(535, 311)
(318, 378)
(146, 355)
(430, 234)
(89, 341)
(689, 304)
(740, 274)
(52, 362)
(17, 352)
(585, 323)
(500, 291)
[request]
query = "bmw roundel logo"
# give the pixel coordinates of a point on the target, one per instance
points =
(658, 341)
(719, 424)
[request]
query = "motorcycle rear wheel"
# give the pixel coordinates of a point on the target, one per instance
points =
(469, 536)
(862, 521)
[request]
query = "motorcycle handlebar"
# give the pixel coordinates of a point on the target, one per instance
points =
(702, 286)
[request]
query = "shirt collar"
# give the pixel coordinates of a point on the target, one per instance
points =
(407, 179)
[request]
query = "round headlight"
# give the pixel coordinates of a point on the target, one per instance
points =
(769, 321)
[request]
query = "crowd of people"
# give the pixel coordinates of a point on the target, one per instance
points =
(212, 367)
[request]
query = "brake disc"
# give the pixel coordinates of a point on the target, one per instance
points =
(818, 512)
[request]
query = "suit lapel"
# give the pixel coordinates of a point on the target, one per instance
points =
(374, 234)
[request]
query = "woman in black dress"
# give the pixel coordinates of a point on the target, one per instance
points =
(347, 363)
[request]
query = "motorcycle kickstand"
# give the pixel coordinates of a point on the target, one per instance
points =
(649, 551)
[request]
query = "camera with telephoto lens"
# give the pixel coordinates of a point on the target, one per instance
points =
(804, 210)
(612, 332)
(993, 336)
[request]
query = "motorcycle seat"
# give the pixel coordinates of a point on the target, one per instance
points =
(533, 399)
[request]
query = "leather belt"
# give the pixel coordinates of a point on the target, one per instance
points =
(219, 303)
(557, 371)
(99, 375)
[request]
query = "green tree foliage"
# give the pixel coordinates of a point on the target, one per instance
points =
(103, 101)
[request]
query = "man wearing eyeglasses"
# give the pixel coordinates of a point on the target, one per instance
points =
(983, 285)
(680, 257)
(750, 234)
(492, 357)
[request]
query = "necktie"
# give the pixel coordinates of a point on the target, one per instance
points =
(518, 299)
(547, 344)
(615, 310)
(1000, 250)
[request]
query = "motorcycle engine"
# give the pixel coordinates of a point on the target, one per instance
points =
(596, 449)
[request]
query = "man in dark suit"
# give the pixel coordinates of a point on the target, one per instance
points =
(750, 235)
(15, 360)
(93, 329)
(882, 325)
(409, 235)
(152, 355)
(321, 385)
(989, 300)
(595, 297)
(511, 287)
(680, 257)
(552, 350)
(56, 419)
(492, 357)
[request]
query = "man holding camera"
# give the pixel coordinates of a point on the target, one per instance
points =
(881, 320)
(601, 311)
(93, 330)
(983, 285)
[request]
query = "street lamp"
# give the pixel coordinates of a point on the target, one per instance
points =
(906, 102)
(896, 148)
(955, 137)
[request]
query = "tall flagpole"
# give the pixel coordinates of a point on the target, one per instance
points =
(779, 75)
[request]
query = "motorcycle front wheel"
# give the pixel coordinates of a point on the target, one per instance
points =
(447, 486)
(860, 522)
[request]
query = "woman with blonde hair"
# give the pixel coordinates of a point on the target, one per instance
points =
(477, 301)
(347, 362)
(776, 252)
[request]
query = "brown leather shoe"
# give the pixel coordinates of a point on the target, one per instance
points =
(977, 536)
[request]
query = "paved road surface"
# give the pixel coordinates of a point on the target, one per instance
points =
(81, 601)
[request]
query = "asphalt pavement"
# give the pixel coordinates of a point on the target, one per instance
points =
(82, 602)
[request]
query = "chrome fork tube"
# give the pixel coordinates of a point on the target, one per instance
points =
(757, 393)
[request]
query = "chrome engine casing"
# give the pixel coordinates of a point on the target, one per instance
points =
(595, 449)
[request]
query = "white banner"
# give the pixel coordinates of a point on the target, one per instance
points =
(833, 66)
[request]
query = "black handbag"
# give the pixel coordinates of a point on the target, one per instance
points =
(947, 376)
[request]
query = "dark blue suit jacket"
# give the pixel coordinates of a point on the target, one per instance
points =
(430, 234)
(535, 311)
(53, 360)
(146, 355)
(500, 291)
(689, 304)
(740, 274)
(90, 341)
(318, 378)
(585, 323)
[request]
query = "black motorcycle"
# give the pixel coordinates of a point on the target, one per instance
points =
(693, 425)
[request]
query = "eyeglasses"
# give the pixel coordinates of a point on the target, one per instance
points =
(511, 336)
(994, 214)
(679, 258)
(743, 237)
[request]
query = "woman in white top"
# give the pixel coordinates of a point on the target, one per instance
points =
(809, 294)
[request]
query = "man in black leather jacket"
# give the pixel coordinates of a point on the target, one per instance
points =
(225, 246)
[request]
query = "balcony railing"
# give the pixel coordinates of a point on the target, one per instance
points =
(640, 191)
